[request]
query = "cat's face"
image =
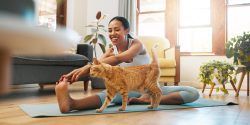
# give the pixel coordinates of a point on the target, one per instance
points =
(98, 69)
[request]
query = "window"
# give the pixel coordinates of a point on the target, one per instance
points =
(195, 30)
(198, 26)
(151, 17)
(236, 20)
(47, 13)
(51, 13)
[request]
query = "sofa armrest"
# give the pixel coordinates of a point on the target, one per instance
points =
(177, 58)
(86, 50)
(169, 53)
(174, 53)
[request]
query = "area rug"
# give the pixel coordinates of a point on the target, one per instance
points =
(48, 110)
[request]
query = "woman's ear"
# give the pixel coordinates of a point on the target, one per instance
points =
(95, 61)
(127, 31)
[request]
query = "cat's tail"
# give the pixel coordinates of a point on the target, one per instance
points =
(154, 55)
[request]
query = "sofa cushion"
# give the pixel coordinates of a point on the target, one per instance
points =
(167, 78)
(168, 72)
(57, 60)
(167, 63)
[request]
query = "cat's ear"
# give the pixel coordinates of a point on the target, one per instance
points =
(95, 61)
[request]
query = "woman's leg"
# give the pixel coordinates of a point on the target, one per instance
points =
(66, 103)
(118, 98)
(179, 94)
(172, 95)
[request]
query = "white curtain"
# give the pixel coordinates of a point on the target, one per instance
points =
(127, 9)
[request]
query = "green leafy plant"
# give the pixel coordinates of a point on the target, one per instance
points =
(217, 71)
(239, 48)
(97, 34)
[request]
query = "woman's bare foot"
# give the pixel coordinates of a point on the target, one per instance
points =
(144, 99)
(62, 94)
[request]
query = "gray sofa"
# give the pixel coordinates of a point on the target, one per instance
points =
(48, 69)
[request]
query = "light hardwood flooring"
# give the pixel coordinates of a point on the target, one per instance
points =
(10, 113)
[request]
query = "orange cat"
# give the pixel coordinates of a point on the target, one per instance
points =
(142, 78)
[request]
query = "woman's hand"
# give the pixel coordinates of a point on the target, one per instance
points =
(109, 52)
(76, 74)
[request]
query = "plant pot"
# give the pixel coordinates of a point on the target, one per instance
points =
(97, 83)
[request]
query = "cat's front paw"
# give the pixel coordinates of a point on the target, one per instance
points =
(121, 109)
(98, 110)
(150, 107)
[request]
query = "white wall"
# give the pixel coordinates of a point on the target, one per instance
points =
(77, 15)
(81, 12)
(110, 8)
(189, 68)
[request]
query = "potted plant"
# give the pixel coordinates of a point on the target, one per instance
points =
(217, 72)
(97, 37)
(97, 33)
(239, 48)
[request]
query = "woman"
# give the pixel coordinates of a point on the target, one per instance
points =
(126, 52)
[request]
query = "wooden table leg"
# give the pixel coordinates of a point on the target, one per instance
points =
(5, 70)
(240, 82)
(211, 89)
(232, 83)
(247, 83)
(165, 84)
(41, 86)
(203, 88)
(223, 85)
(86, 85)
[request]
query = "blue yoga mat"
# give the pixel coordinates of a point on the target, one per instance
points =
(46, 110)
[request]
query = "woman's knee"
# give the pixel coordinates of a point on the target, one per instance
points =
(190, 95)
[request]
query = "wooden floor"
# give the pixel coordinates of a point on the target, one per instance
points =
(10, 113)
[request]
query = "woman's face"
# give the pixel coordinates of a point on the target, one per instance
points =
(117, 32)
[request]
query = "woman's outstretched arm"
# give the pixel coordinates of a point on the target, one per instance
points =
(108, 58)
